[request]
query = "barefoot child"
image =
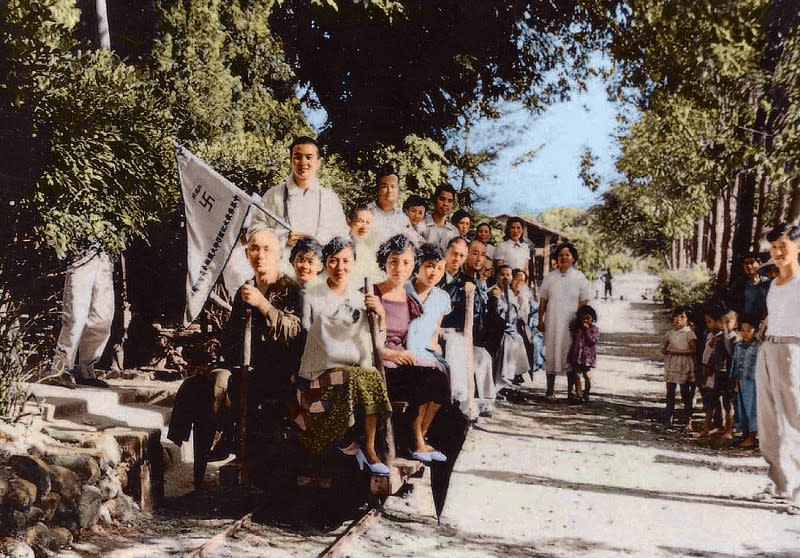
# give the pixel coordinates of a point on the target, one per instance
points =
(679, 350)
(743, 374)
(583, 352)
(716, 383)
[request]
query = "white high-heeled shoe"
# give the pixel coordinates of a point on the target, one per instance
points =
(377, 469)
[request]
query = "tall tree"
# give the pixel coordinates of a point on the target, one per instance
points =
(414, 67)
(730, 59)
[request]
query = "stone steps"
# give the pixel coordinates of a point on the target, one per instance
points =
(124, 413)
(102, 408)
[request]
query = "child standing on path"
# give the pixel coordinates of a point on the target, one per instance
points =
(679, 350)
(716, 382)
(583, 352)
(743, 374)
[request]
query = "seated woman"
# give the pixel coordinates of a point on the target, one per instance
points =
(423, 332)
(306, 259)
(337, 381)
(425, 387)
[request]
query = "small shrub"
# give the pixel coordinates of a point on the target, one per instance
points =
(685, 286)
(17, 358)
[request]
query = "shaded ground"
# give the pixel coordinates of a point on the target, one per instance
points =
(543, 479)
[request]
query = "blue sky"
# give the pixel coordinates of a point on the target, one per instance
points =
(550, 179)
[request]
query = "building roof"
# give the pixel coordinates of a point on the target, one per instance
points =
(531, 224)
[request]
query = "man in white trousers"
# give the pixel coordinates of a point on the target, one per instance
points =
(88, 310)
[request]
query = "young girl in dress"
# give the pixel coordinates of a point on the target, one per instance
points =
(583, 352)
(680, 346)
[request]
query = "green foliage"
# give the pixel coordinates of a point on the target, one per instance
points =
(222, 72)
(586, 172)
(110, 171)
(381, 79)
(582, 229)
(716, 83)
(420, 161)
(686, 286)
(16, 356)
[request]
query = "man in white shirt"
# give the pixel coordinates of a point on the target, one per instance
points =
(436, 228)
(388, 219)
(310, 209)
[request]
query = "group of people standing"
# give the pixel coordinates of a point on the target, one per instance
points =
(743, 356)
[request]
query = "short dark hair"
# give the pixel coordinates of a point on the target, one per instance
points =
(586, 310)
(791, 231)
(336, 245)
(458, 215)
(414, 201)
(353, 213)
(678, 310)
(385, 170)
(443, 188)
(395, 245)
(501, 267)
(303, 140)
(304, 246)
(569, 246)
(715, 309)
(749, 319)
(510, 222)
(454, 240)
(430, 251)
(517, 270)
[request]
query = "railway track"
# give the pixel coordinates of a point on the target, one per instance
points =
(338, 547)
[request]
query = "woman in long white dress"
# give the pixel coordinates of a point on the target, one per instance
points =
(563, 291)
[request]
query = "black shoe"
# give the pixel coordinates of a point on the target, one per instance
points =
(517, 381)
(64, 380)
(92, 382)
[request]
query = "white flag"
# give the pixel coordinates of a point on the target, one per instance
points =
(215, 212)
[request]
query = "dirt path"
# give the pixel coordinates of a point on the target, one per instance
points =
(545, 479)
(596, 480)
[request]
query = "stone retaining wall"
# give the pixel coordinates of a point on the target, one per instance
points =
(50, 492)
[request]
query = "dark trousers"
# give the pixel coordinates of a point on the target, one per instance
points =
(686, 395)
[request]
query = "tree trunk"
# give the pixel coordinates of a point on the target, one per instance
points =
(793, 209)
(717, 232)
(672, 255)
(103, 34)
(728, 217)
(763, 195)
(742, 215)
(699, 241)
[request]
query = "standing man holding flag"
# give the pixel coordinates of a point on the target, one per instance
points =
(310, 209)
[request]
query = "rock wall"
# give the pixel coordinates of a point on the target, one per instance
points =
(51, 489)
